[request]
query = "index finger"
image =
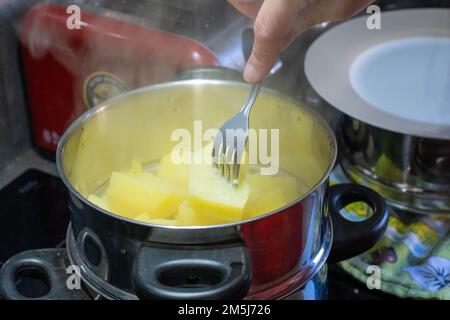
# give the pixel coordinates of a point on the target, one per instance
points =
(272, 33)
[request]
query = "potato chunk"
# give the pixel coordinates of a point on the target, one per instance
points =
(175, 173)
(194, 193)
(187, 216)
(211, 195)
(101, 202)
(145, 217)
(131, 195)
(269, 193)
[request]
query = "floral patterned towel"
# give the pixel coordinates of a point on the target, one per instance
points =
(413, 255)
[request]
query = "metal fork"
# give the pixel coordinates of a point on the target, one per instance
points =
(231, 140)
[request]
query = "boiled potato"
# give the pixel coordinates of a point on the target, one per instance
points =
(260, 184)
(175, 173)
(211, 195)
(268, 193)
(187, 216)
(271, 201)
(131, 195)
(101, 202)
(145, 217)
(194, 194)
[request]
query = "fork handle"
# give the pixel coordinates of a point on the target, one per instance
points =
(251, 99)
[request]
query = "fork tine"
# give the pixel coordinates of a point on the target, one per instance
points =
(231, 165)
(220, 162)
(226, 171)
(214, 156)
(217, 149)
(228, 162)
(236, 166)
(227, 153)
(229, 146)
(223, 150)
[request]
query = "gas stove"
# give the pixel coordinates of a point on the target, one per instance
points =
(34, 211)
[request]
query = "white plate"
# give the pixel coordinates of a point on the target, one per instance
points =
(396, 78)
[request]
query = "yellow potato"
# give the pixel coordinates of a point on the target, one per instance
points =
(269, 193)
(131, 195)
(260, 184)
(173, 172)
(144, 217)
(194, 193)
(211, 195)
(271, 201)
(187, 216)
(98, 201)
(102, 201)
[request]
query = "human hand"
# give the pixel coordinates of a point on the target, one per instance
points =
(279, 22)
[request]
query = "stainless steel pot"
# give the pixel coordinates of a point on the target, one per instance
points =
(126, 259)
(412, 173)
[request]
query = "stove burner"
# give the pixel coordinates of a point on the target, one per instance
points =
(34, 214)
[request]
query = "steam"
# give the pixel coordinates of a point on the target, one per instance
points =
(105, 44)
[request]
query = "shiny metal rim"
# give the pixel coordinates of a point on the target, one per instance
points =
(110, 103)
(350, 39)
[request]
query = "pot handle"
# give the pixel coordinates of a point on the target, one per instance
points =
(44, 265)
(167, 271)
(351, 238)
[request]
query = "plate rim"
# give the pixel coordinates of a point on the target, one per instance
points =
(320, 76)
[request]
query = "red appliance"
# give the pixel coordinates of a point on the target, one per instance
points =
(70, 70)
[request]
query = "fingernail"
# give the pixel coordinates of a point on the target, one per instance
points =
(251, 74)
